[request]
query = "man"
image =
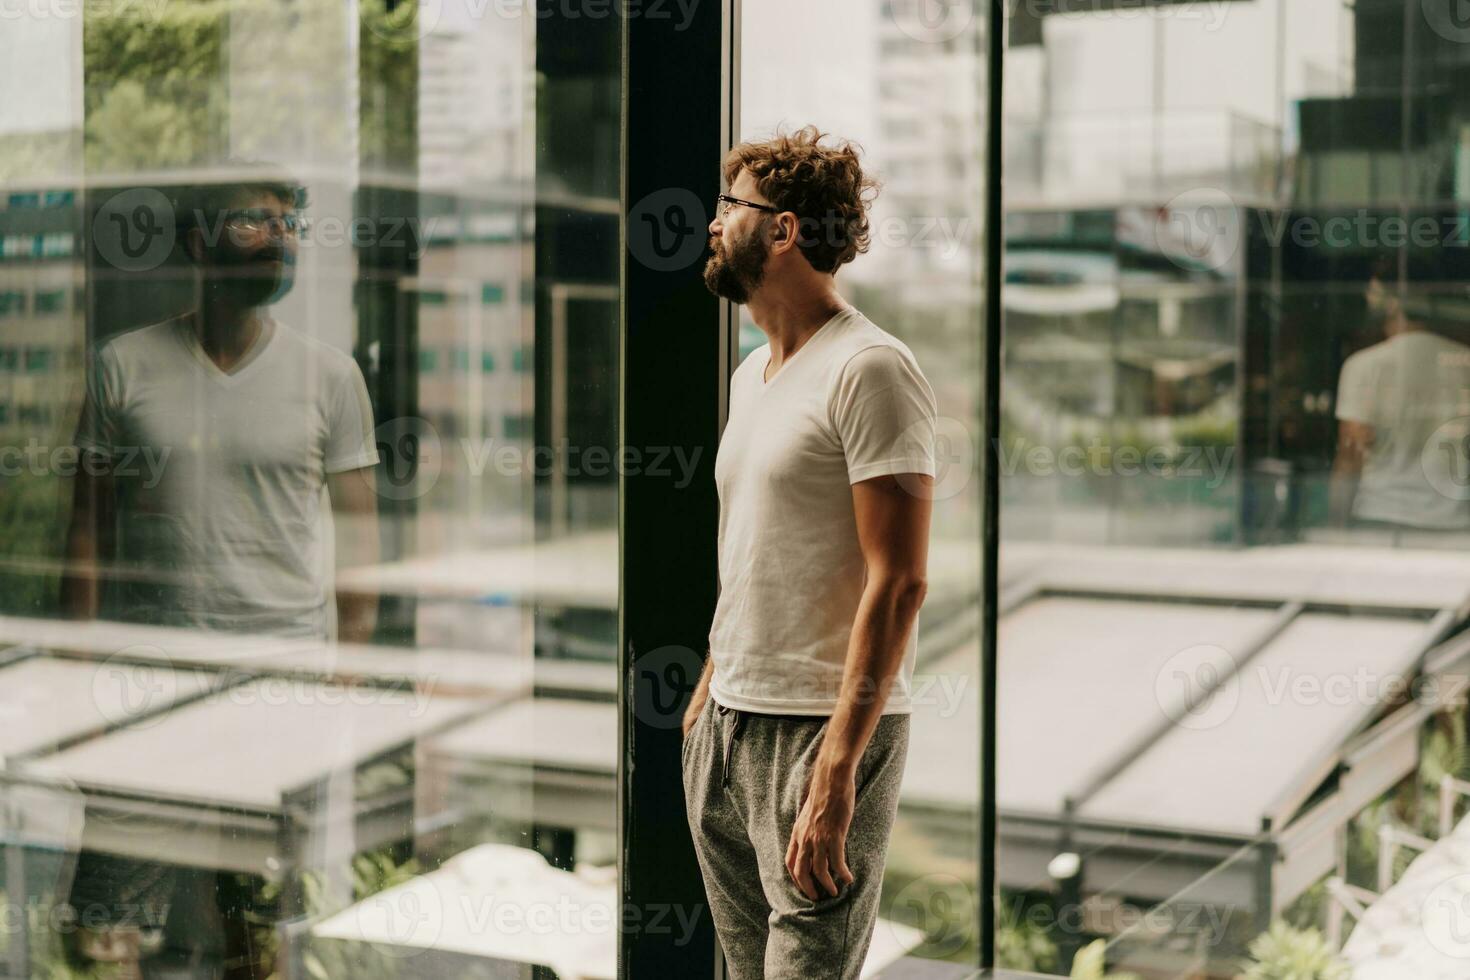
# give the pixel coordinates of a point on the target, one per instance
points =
(247, 420)
(796, 737)
(244, 422)
(1398, 465)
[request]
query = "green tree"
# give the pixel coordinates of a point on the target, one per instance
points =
(154, 92)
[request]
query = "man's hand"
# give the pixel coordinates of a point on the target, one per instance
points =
(700, 695)
(355, 504)
(817, 854)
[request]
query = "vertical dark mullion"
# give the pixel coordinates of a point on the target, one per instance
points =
(670, 340)
(990, 506)
(730, 96)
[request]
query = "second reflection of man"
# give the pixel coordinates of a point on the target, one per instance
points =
(1395, 469)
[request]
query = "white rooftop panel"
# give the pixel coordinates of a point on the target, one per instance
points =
(486, 671)
(46, 700)
(1383, 577)
(252, 743)
(1082, 679)
(1223, 767)
(579, 570)
(164, 644)
(556, 732)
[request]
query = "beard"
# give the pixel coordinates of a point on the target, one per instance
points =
(736, 276)
(251, 279)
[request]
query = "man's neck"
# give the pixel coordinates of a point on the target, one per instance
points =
(227, 333)
(788, 321)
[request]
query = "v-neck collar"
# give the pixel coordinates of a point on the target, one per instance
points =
(189, 337)
(767, 382)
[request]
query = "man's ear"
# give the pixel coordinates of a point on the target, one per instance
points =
(783, 231)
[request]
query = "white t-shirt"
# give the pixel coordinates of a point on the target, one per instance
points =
(1411, 389)
(849, 405)
(218, 477)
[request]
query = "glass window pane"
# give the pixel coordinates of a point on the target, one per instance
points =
(308, 326)
(907, 83)
(1233, 433)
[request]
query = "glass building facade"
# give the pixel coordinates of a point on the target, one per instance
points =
(378, 671)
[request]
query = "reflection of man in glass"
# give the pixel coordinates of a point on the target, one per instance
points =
(1393, 399)
(796, 739)
(246, 421)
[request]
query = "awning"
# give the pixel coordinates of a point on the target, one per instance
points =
(216, 771)
(1250, 758)
(1228, 804)
(46, 702)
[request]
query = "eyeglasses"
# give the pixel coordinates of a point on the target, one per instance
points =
(726, 202)
(260, 219)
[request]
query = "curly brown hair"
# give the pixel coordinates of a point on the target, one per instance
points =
(823, 184)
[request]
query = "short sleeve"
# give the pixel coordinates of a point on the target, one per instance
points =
(350, 444)
(884, 414)
(1357, 390)
(101, 405)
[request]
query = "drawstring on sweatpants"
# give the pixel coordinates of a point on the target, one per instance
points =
(732, 732)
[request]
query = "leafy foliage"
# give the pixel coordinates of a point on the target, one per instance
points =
(1091, 964)
(1284, 952)
(155, 84)
(1021, 944)
(183, 84)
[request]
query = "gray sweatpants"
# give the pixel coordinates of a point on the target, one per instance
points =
(745, 777)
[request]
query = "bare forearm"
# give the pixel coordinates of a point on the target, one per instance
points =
(1343, 488)
(1354, 440)
(353, 499)
(80, 588)
(701, 694)
(357, 612)
(89, 541)
(357, 616)
(880, 634)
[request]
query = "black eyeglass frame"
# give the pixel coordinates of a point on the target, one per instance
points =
(255, 219)
(730, 202)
